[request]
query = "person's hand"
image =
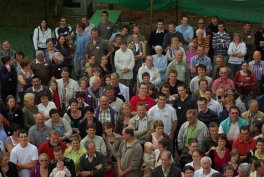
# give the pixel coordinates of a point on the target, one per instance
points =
(85, 173)
(120, 172)
(146, 129)
(98, 166)
(213, 148)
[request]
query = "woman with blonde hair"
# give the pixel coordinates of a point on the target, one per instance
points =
(7, 168)
(29, 110)
(123, 118)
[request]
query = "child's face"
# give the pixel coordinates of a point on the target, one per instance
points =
(148, 149)
(193, 147)
(234, 158)
(60, 166)
(191, 48)
(229, 173)
(53, 86)
(108, 81)
(146, 79)
(83, 84)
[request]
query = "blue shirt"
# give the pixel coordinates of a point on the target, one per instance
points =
(81, 45)
(186, 31)
(195, 60)
(3, 135)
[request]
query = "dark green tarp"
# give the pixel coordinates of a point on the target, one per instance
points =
(242, 10)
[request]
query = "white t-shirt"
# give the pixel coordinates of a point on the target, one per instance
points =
(24, 155)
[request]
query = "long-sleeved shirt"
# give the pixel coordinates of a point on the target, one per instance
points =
(81, 44)
(40, 37)
(220, 43)
(233, 48)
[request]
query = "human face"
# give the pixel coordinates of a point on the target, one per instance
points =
(221, 28)
(236, 38)
(149, 62)
(160, 25)
(202, 105)
(201, 23)
(159, 130)
(43, 24)
(5, 160)
(75, 145)
(179, 56)
(208, 95)
(175, 44)
(44, 100)
(36, 83)
(191, 118)
(40, 120)
(135, 38)
(89, 115)
(83, 85)
(201, 71)
(206, 165)
(74, 106)
(234, 159)
(54, 140)
(65, 75)
(221, 143)
(63, 22)
(108, 131)
(104, 60)
(219, 62)
(108, 81)
(165, 91)
(182, 91)
(104, 102)
(141, 111)
(188, 173)
(124, 32)
(161, 101)
(31, 102)
(184, 21)
(23, 139)
(53, 86)
(228, 173)
(91, 60)
(97, 84)
(257, 56)
(58, 156)
(55, 117)
(196, 157)
(192, 147)
(62, 40)
(172, 77)
(104, 17)
(200, 51)
(244, 66)
(123, 47)
(254, 107)
(5, 45)
(213, 131)
(247, 28)
(233, 115)
(223, 73)
(50, 45)
(95, 35)
(171, 28)
(126, 110)
(43, 160)
(260, 146)
(91, 132)
(244, 135)
(90, 150)
(143, 89)
(110, 94)
(203, 85)
(165, 161)
(11, 102)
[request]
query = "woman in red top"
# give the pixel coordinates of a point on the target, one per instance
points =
(219, 154)
(54, 90)
(245, 80)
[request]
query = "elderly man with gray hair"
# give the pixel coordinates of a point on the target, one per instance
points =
(244, 170)
(41, 68)
(206, 169)
(95, 91)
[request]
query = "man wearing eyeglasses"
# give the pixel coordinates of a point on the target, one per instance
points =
(231, 125)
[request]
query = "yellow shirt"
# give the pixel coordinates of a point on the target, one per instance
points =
(75, 156)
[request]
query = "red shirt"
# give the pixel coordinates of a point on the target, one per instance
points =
(48, 149)
(149, 102)
(242, 147)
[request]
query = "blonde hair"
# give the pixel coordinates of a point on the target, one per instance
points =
(28, 96)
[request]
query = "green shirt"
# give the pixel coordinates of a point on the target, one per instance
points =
(191, 133)
(75, 156)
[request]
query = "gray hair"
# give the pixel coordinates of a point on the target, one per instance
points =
(245, 167)
(167, 153)
(93, 80)
(158, 47)
(39, 53)
(206, 158)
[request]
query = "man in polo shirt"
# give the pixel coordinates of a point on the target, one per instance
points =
(231, 125)
(166, 113)
(244, 143)
(223, 81)
(39, 132)
(192, 128)
(141, 123)
(48, 146)
(141, 97)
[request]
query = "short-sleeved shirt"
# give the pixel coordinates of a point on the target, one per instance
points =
(196, 60)
(244, 148)
(149, 102)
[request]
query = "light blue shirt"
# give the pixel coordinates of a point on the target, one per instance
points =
(186, 31)
(195, 60)
(161, 64)
(81, 45)
(3, 135)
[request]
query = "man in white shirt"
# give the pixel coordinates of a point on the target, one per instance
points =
(166, 113)
(24, 155)
(213, 104)
(206, 170)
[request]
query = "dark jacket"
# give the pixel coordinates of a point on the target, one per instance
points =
(174, 172)
(12, 172)
(112, 114)
(83, 124)
(208, 117)
(67, 162)
(9, 81)
(15, 117)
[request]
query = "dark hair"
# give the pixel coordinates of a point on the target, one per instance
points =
(233, 107)
(73, 100)
(202, 99)
(161, 94)
(260, 140)
(5, 59)
(258, 163)
(58, 149)
(65, 69)
(160, 20)
(244, 127)
(22, 131)
(88, 108)
(221, 136)
(49, 40)
(165, 143)
(24, 63)
(14, 127)
(94, 30)
(228, 167)
(213, 125)
(200, 66)
(105, 12)
(192, 140)
(202, 80)
(127, 27)
(93, 126)
(53, 111)
(109, 87)
(248, 71)
(129, 131)
(20, 53)
(79, 94)
(187, 168)
(44, 19)
(145, 74)
(217, 174)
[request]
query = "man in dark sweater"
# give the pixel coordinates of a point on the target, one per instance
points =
(206, 115)
(41, 68)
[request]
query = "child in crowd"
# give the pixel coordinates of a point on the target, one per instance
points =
(60, 170)
(110, 171)
(228, 171)
(53, 86)
(148, 157)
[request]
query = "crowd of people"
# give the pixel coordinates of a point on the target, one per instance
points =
(96, 102)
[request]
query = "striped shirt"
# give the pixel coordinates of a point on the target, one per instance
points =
(220, 43)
